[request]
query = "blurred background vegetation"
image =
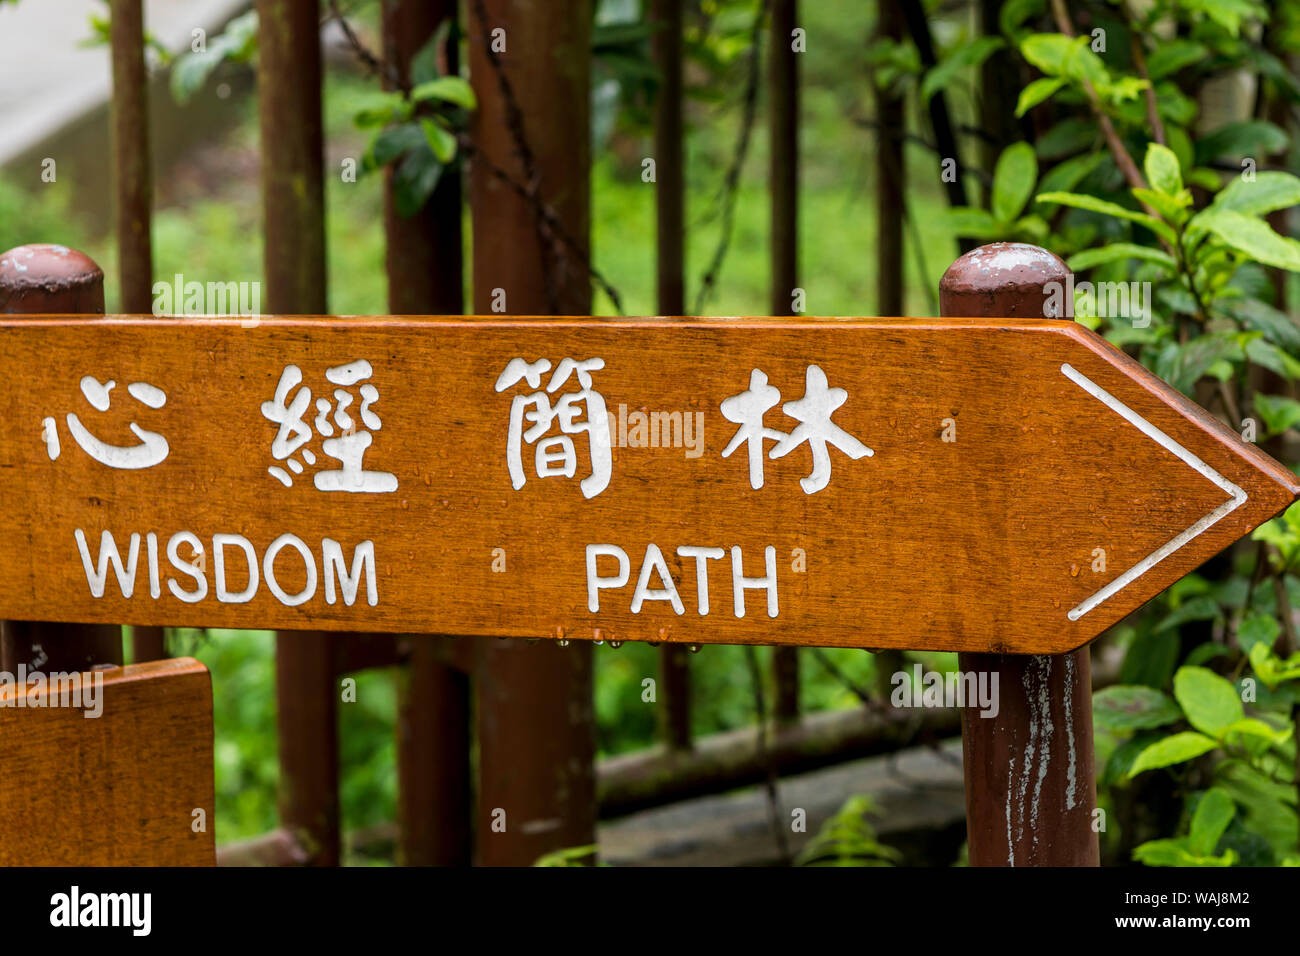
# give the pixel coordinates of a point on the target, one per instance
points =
(1125, 130)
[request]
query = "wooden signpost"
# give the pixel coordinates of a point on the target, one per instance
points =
(1006, 486)
(1013, 486)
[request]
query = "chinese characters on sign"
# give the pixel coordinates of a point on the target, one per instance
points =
(557, 455)
(348, 447)
(152, 449)
(813, 412)
(557, 428)
(582, 412)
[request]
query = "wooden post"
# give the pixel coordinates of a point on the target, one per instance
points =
(293, 203)
(999, 85)
(131, 177)
(783, 73)
(530, 67)
(891, 205)
(670, 240)
(49, 279)
(1030, 782)
(425, 277)
(133, 193)
(423, 252)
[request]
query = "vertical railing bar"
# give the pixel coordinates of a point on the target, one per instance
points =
(293, 202)
(783, 92)
(425, 269)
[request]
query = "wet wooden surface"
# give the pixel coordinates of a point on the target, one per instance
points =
(117, 789)
(1018, 469)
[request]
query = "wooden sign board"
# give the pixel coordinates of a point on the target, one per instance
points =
(1013, 486)
(137, 743)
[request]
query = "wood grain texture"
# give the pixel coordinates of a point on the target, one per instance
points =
(985, 543)
(114, 790)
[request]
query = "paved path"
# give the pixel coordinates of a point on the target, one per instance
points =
(49, 79)
(920, 795)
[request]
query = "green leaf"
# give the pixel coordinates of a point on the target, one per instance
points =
(1269, 356)
(424, 65)
(1268, 192)
(1093, 204)
(1170, 56)
(380, 109)
(1199, 608)
(1015, 12)
(1049, 52)
(1067, 137)
(1266, 806)
(446, 89)
(1226, 13)
(1258, 316)
(968, 55)
(1210, 702)
(1041, 89)
(1163, 172)
(1171, 750)
(1151, 659)
(1245, 138)
(1083, 64)
(1170, 208)
(1214, 811)
(973, 222)
(1013, 180)
(1252, 236)
(1270, 668)
(1277, 412)
(1068, 174)
(1125, 89)
(1176, 853)
(570, 856)
(1258, 627)
(414, 180)
(1183, 364)
(1254, 727)
(1123, 708)
(391, 143)
(1118, 251)
(237, 43)
(442, 141)
(1205, 653)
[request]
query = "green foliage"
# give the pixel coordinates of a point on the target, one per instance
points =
(1014, 178)
(576, 856)
(236, 44)
(1185, 212)
(1215, 809)
(415, 132)
(1123, 708)
(968, 55)
(100, 24)
(849, 839)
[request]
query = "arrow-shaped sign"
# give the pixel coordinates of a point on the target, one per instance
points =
(981, 485)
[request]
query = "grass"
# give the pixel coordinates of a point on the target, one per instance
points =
(214, 234)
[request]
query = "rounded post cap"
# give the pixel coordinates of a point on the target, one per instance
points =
(50, 278)
(1001, 279)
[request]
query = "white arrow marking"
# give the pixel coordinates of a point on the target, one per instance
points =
(1237, 499)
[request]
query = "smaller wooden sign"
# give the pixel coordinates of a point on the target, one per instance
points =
(107, 768)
